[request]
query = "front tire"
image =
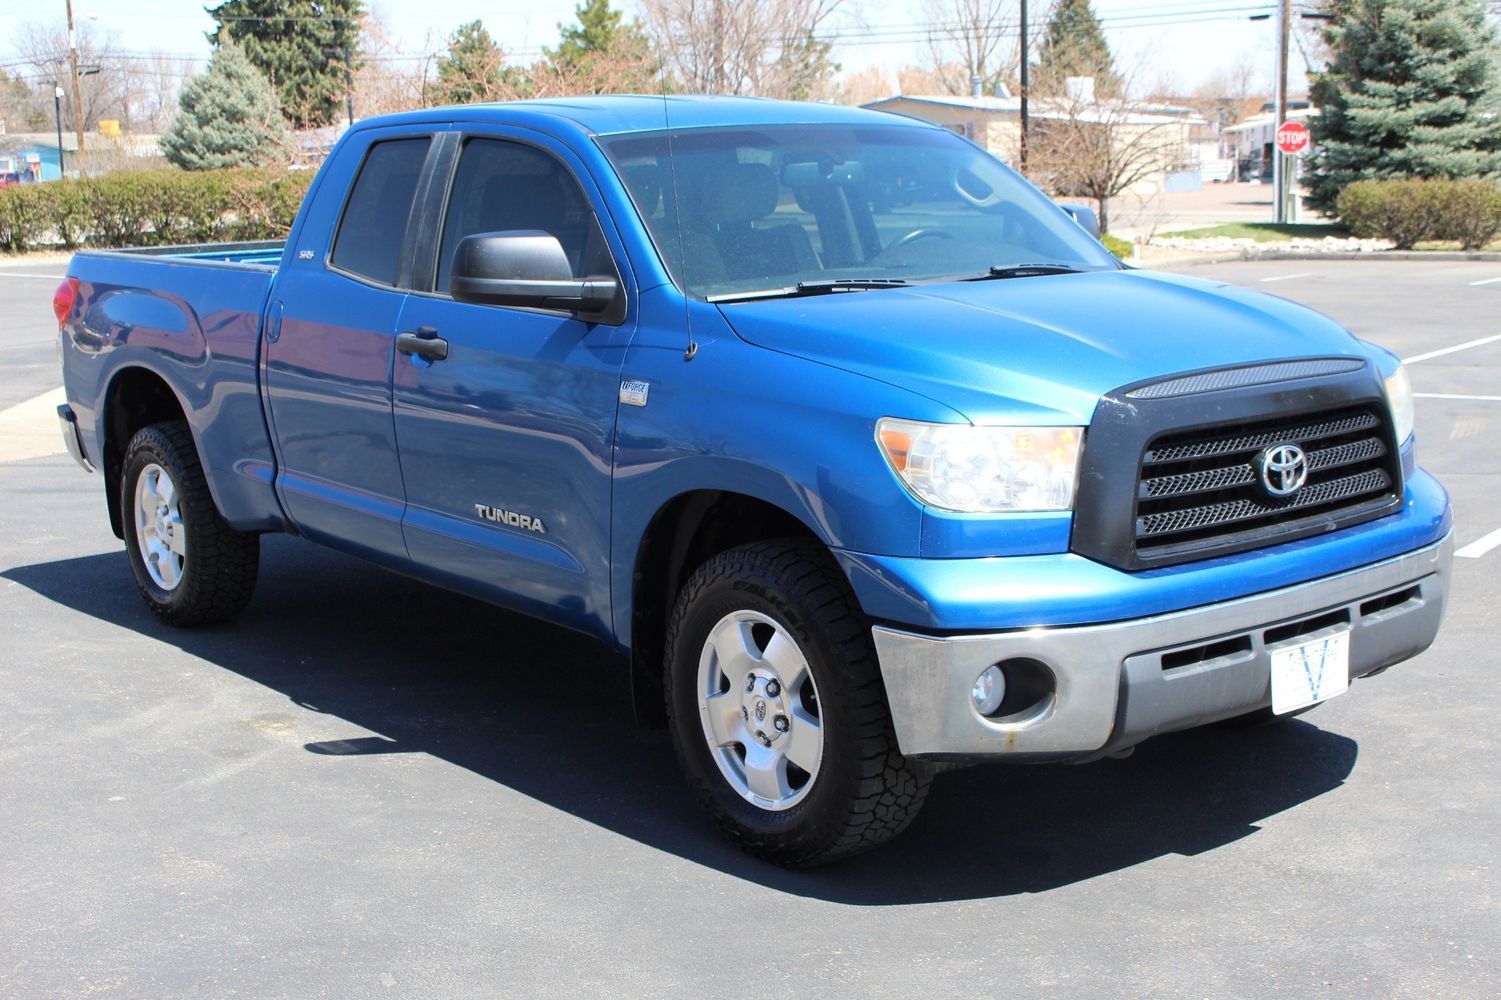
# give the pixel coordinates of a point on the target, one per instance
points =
(777, 712)
(191, 566)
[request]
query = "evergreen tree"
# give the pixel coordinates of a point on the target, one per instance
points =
(805, 66)
(473, 69)
(1411, 92)
(602, 50)
(228, 117)
(301, 46)
(1075, 46)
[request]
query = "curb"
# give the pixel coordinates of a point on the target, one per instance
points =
(1441, 255)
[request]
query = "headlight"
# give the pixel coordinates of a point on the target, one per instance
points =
(1399, 396)
(984, 469)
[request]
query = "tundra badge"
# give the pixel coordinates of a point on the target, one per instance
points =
(501, 516)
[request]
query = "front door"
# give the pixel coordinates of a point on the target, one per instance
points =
(506, 443)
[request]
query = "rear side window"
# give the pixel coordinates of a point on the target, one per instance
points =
(370, 234)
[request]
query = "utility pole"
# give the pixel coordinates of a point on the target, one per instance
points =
(1279, 159)
(348, 84)
(1023, 157)
(77, 91)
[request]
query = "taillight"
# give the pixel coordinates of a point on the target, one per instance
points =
(63, 299)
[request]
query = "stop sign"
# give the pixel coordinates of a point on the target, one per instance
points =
(1292, 138)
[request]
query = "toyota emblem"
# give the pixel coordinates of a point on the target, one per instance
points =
(1284, 469)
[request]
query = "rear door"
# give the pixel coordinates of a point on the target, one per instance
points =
(330, 340)
(506, 443)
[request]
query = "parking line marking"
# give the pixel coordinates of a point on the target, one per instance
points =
(1289, 277)
(29, 429)
(1451, 350)
(1484, 281)
(1451, 395)
(1480, 546)
(39, 277)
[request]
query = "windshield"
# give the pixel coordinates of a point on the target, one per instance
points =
(770, 207)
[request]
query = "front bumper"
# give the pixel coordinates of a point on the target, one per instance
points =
(1117, 684)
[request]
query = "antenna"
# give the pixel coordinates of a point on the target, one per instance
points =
(677, 211)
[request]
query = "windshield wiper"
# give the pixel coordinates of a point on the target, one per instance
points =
(1025, 271)
(824, 286)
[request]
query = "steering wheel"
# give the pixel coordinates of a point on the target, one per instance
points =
(925, 233)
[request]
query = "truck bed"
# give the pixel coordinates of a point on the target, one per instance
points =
(260, 253)
(189, 318)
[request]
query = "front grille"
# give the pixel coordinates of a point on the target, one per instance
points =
(1197, 488)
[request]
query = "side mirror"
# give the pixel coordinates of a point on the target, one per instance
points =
(526, 268)
(1085, 217)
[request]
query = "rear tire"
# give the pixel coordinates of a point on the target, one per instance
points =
(777, 711)
(191, 566)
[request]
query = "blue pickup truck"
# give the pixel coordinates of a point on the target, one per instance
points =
(868, 458)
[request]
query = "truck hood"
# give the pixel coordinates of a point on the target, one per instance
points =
(1039, 349)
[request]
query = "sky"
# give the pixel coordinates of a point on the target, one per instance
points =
(1180, 43)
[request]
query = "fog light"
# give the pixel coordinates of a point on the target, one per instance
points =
(989, 690)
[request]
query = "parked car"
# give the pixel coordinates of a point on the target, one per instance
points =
(861, 486)
(8, 178)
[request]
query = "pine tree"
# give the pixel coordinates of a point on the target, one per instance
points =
(228, 117)
(473, 69)
(805, 66)
(602, 50)
(1412, 91)
(1075, 46)
(301, 47)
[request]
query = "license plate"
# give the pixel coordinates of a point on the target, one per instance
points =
(1310, 672)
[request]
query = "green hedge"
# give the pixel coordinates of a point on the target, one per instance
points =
(151, 208)
(1409, 212)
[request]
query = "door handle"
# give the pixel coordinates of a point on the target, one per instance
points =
(424, 341)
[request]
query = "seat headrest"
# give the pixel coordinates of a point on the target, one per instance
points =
(743, 192)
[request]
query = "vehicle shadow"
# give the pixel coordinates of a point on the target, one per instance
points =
(547, 713)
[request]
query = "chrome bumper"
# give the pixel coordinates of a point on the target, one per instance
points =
(1120, 683)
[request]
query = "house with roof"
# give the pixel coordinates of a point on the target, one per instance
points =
(1185, 146)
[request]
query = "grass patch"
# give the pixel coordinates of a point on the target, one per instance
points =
(1265, 232)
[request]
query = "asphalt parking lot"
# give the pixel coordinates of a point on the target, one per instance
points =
(364, 787)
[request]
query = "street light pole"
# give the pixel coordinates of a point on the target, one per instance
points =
(57, 108)
(77, 91)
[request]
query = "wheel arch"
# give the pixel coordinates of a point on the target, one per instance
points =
(136, 397)
(683, 534)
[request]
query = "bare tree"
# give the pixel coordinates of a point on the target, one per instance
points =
(389, 80)
(970, 38)
(105, 89)
(154, 87)
(1223, 97)
(1099, 147)
(769, 48)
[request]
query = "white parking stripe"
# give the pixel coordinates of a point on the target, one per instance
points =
(1451, 395)
(29, 429)
(1289, 277)
(1451, 350)
(40, 277)
(1485, 281)
(1480, 546)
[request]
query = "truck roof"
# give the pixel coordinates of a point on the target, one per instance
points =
(613, 114)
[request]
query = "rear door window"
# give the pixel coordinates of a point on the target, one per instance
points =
(373, 228)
